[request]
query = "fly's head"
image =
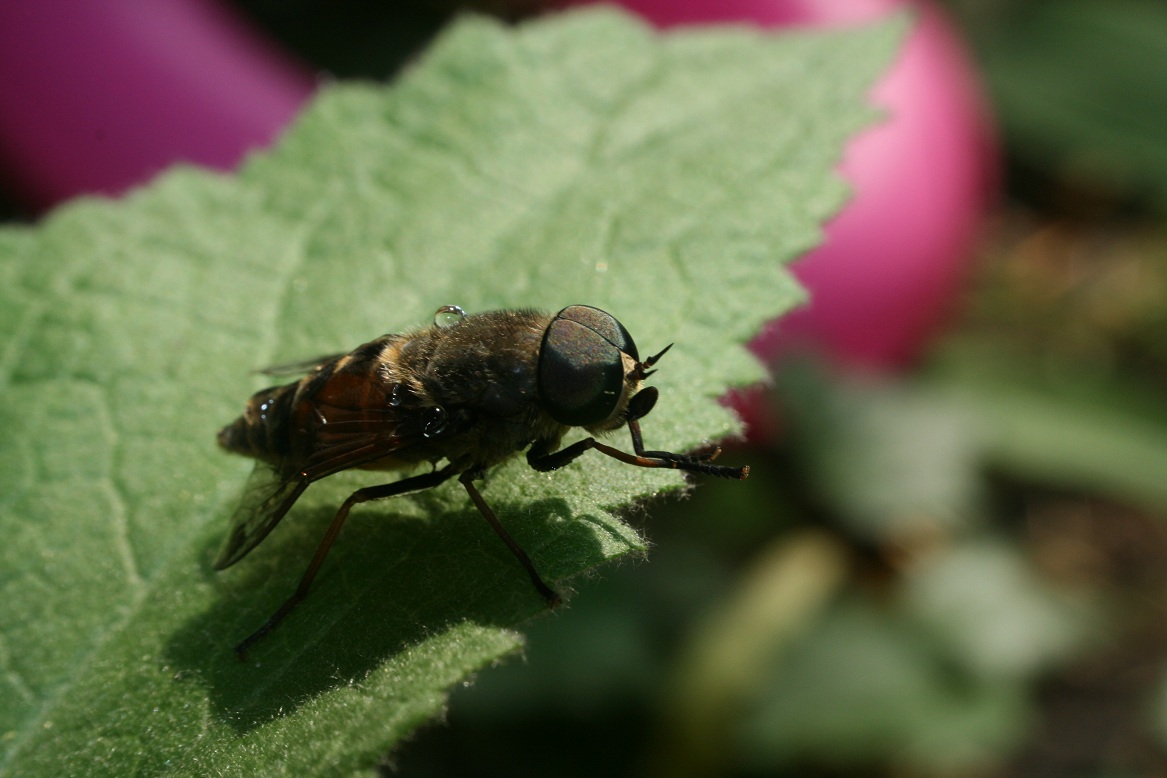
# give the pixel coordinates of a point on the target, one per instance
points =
(590, 373)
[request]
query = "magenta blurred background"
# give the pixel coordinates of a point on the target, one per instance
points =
(100, 95)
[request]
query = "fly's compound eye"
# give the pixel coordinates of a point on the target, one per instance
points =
(581, 365)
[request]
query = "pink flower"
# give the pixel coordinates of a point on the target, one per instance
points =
(99, 95)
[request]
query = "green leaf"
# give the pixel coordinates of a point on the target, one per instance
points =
(578, 159)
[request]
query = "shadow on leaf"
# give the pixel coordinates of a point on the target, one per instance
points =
(389, 585)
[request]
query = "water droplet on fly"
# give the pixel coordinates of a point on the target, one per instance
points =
(448, 316)
(397, 395)
(435, 423)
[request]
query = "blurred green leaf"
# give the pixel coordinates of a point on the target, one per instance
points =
(1078, 447)
(868, 685)
(1078, 86)
(1158, 709)
(888, 456)
(1066, 426)
(774, 603)
(580, 159)
(993, 611)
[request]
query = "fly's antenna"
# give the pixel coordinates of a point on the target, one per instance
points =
(641, 371)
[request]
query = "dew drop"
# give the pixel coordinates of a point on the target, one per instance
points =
(448, 316)
(397, 395)
(435, 423)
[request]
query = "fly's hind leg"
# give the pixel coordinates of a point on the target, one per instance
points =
(413, 484)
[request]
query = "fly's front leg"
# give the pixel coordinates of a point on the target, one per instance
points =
(543, 460)
(416, 483)
(638, 408)
(539, 458)
(698, 463)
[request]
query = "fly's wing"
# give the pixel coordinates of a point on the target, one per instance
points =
(268, 495)
(347, 437)
(266, 498)
(299, 368)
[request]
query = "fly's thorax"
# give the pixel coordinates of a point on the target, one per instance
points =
(466, 391)
(402, 366)
(486, 364)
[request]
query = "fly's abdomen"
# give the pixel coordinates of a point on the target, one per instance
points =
(262, 431)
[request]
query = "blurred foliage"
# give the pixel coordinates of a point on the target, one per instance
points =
(1087, 293)
(1078, 87)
